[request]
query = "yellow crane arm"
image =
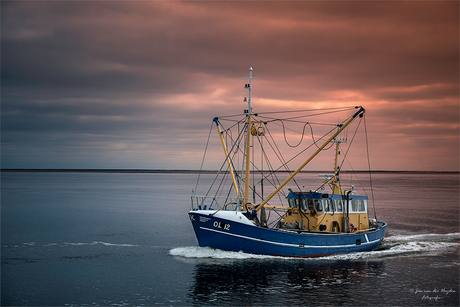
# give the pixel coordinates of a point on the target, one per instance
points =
(347, 122)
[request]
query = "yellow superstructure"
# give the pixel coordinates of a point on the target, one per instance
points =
(326, 212)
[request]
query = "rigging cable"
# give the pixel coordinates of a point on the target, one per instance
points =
(368, 161)
(310, 110)
(279, 155)
(223, 164)
(369, 165)
(202, 161)
(349, 146)
(345, 158)
(272, 173)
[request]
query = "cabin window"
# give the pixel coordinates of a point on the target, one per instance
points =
(326, 205)
(338, 205)
(354, 205)
(311, 206)
(362, 205)
(304, 204)
(318, 205)
(291, 202)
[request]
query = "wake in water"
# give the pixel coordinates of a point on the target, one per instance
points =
(395, 246)
(94, 243)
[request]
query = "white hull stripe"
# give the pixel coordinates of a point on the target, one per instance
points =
(288, 244)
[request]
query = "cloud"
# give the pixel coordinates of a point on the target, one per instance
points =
(140, 82)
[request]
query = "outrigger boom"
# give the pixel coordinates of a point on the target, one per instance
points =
(359, 113)
(229, 162)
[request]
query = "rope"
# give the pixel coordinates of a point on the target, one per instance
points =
(301, 139)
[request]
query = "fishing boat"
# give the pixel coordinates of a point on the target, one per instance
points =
(261, 207)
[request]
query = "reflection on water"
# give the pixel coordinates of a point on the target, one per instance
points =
(279, 282)
(387, 276)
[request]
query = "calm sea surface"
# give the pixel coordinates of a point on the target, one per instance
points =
(116, 239)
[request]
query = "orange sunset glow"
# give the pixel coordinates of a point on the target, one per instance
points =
(128, 84)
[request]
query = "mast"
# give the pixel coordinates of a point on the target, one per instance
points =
(248, 113)
(336, 189)
(347, 122)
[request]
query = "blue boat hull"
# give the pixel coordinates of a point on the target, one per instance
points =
(232, 235)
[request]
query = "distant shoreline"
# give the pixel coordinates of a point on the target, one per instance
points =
(156, 171)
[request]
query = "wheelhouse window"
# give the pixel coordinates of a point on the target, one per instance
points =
(332, 205)
(338, 205)
(328, 205)
(311, 205)
(362, 205)
(291, 202)
(318, 205)
(354, 205)
(358, 205)
(304, 204)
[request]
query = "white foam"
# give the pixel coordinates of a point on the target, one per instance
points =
(399, 250)
(424, 237)
(98, 243)
(395, 246)
(207, 252)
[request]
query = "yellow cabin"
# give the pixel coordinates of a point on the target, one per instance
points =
(315, 211)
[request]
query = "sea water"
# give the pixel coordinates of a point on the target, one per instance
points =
(125, 239)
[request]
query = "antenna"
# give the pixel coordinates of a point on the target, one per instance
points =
(249, 87)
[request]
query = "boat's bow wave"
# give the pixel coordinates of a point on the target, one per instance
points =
(208, 252)
(395, 246)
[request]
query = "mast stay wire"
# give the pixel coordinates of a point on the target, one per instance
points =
(279, 155)
(202, 161)
(276, 151)
(310, 110)
(238, 149)
(228, 117)
(346, 153)
(369, 166)
(224, 163)
(271, 172)
(368, 161)
(351, 142)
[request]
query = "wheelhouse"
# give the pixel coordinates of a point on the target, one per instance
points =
(316, 211)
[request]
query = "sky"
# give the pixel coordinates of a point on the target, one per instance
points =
(136, 84)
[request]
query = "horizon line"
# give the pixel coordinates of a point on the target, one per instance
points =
(123, 170)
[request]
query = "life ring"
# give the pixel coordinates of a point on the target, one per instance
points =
(352, 228)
